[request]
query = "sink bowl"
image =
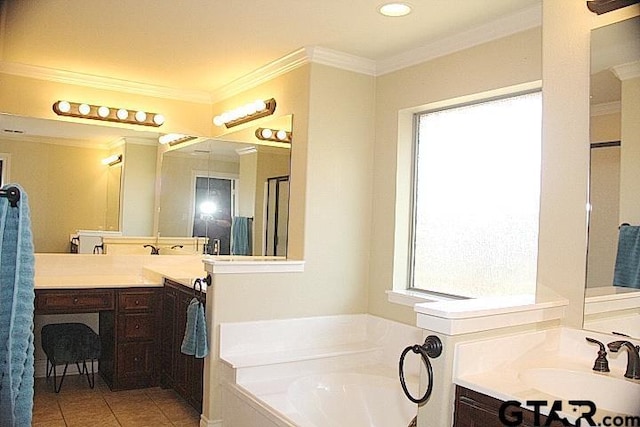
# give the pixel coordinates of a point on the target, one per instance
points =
(616, 395)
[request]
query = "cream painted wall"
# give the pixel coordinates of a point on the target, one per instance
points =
(604, 196)
(247, 186)
(57, 179)
(605, 127)
(272, 163)
(331, 162)
(138, 189)
(500, 63)
(630, 154)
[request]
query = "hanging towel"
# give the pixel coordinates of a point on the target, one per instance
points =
(627, 269)
(194, 342)
(16, 313)
(241, 235)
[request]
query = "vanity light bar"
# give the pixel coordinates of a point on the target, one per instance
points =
(277, 135)
(174, 138)
(246, 113)
(112, 160)
(109, 114)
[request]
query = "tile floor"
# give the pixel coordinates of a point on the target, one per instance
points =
(78, 405)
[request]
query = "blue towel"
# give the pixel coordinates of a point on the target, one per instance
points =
(194, 342)
(627, 270)
(241, 233)
(16, 313)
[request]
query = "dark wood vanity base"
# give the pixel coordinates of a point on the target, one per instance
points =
(474, 409)
(141, 331)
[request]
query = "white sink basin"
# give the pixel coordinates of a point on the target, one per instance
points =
(617, 395)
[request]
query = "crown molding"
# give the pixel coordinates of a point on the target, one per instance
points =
(105, 83)
(521, 21)
(263, 74)
(606, 108)
(344, 61)
(503, 27)
(630, 70)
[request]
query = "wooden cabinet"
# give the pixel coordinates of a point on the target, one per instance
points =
(475, 409)
(130, 338)
(179, 371)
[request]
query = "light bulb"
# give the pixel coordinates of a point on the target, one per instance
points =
(281, 135)
(122, 114)
(217, 120)
(266, 133)
(84, 109)
(141, 116)
(207, 207)
(158, 119)
(260, 105)
(64, 106)
(103, 112)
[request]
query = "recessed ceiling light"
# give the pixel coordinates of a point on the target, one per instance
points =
(395, 9)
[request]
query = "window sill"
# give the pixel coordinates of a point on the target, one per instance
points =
(411, 298)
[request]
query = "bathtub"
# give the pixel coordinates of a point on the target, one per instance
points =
(350, 399)
(317, 372)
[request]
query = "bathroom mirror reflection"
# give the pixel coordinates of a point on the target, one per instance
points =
(222, 189)
(59, 165)
(614, 172)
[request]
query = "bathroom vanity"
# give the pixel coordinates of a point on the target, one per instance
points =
(128, 334)
(141, 304)
(474, 409)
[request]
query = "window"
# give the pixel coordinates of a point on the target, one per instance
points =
(476, 198)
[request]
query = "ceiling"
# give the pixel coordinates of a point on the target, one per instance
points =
(204, 46)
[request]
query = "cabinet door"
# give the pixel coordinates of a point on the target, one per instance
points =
(135, 364)
(182, 360)
(168, 348)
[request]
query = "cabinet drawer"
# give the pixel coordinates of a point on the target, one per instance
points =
(136, 326)
(73, 301)
(136, 300)
(135, 359)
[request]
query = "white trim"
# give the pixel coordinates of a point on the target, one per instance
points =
(502, 27)
(483, 314)
(104, 83)
(205, 422)
(630, 70)
(265, 73)
(344, 61)
(6, 168)
(251, 265)
(606, 108)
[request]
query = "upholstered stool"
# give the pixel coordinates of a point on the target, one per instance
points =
(70, 343)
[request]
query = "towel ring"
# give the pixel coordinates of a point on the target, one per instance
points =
(198, 282)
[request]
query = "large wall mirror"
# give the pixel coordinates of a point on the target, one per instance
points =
(59, 165)
(615, 163)
(232, 190)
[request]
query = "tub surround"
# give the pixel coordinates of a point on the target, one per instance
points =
(503, 368)
(458, 317)
(256, 384)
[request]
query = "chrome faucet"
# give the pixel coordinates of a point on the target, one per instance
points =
(154, 250)
(633, 361)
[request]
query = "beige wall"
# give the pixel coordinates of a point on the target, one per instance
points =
(630, 154)
(66, 186)
(138, 189)
(509, 61)
(605, 127)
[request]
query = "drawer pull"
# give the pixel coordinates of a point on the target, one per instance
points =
(136, 359)
(137, 326)
(137, 302)
(75, 300)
